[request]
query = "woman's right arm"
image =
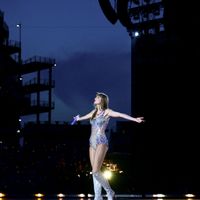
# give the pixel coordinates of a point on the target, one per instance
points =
(84, 117)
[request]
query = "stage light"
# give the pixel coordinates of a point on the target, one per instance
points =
(107, 174)
(2, 194)
(39, 195)
(190, 195)
(159, 195)
(60, 195)
(108, 11)
(136, 34)
(81, 195)
(90, 195)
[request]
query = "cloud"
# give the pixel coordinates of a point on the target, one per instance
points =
(82, 74)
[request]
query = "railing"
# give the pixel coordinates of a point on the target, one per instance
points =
(43, 104)
(12, 43)
(34, 81)
(39, 59)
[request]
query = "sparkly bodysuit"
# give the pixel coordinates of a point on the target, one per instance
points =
(98, 127)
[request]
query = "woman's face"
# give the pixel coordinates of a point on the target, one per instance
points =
(97, 100)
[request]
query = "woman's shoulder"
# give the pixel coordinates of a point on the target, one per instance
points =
(92, 111)
(108, 111)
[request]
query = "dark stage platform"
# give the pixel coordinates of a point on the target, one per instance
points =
(60, 196)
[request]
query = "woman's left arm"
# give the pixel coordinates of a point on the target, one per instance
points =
(112, 113)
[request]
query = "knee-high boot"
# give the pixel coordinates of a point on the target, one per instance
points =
(99, 177)
(97, 189)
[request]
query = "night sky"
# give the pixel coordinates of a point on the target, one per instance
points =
(92, 54)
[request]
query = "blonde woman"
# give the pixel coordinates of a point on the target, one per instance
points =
(99, 118)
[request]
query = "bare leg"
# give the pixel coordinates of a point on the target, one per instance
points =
(96, 184)
(99, 157)
(92, 152)
(97, 163)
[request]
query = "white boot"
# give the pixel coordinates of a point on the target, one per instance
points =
(105, 185)
(97, 189)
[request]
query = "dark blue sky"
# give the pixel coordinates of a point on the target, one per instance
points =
(91, 54)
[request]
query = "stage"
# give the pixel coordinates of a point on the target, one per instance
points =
(40, 196)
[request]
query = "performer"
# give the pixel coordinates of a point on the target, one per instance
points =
(99, 118)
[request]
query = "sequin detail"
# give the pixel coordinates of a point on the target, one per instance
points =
(98, 127)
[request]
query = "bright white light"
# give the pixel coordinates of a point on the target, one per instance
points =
(18, 131)
(107, 174)
(81, 195)
(190, 195)
(136, 34)
(2, 194)
(60, 195)
(158, 195)
(39, 195)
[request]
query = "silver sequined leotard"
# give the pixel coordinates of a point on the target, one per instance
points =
(98, 127)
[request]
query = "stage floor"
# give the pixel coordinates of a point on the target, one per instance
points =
(118, 197)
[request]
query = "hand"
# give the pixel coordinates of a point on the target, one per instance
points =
(140, 119)
(75, 119)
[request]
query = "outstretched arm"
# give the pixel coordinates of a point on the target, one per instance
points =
(84, 117)
(112, 113)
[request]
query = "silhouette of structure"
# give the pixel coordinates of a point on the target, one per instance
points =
(164, 85)
(18, 97)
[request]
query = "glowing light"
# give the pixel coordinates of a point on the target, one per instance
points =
(81, 195)
(136, 34)
(90, 195)
(158, 195)
(60, 195)
(39, 195)
(190, 195)
(107, 174)
(2, 194)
